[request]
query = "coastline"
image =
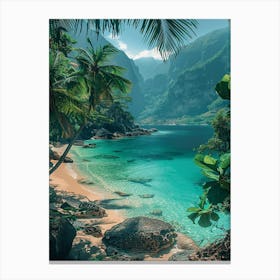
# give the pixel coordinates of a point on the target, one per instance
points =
(65, 182)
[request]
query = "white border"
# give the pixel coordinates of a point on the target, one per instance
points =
(24, 138)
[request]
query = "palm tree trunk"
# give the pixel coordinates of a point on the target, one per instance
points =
(67, 149)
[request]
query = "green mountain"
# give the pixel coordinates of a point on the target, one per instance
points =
(187, 92)
(150, 67)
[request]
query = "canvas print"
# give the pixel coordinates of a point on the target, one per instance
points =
(139, 140)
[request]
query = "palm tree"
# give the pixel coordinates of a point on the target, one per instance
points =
(65, 103)
(166, 35)
(101, 80)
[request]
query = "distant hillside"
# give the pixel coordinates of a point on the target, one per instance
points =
(187, 90)
(150, 67)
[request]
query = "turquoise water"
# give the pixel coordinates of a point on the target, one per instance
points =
(161, 165)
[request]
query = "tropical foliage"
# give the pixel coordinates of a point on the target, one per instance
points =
(80, 83)
(166, 35)
(216, 168)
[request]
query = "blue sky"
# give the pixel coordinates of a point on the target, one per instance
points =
(131, 42)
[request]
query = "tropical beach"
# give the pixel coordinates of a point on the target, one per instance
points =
(66, 184)
(139, 142)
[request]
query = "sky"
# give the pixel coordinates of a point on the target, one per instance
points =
(131, 42)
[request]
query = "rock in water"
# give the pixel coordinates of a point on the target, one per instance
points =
(147, 195)
(68, 160)
(122, 193)
(62, 234)
(156, 212)
(140, 234)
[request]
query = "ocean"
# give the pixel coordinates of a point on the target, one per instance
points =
(158, 172)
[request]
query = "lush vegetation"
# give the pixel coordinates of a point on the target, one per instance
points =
(186, 94)
(214, 160)
(84, 80)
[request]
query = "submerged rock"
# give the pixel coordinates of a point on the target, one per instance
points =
(147, 195)
(90, 145)
(105, 157)
(85, 181)
(156, 212)
(140, 234)
(68, 160)
(140, 180)
(122, 193)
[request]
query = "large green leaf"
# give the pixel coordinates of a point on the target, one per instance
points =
(193, 216)
(199, 160)
(204, 220)
(209, 160)
(223, 87)
(225, 160)
(194, 209)
(211, 175)
(214, 216)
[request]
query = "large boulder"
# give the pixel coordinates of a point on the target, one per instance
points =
(62, 234)
(140, 234)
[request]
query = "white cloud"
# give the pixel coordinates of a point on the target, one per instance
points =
(122, 45)
(148, 53)
(117, 42)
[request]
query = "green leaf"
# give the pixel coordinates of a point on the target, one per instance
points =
(211, 175)
(225, 184)
(209, 160)
(206, 211)
(223, 87)
(214, 216)
(193, 216)
(210, 184)
(225, 160)
(199, 160)
(194, 209)
(204, 220)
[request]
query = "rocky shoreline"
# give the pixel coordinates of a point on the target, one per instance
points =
(81, 228)
(73, 218)
(103, 133)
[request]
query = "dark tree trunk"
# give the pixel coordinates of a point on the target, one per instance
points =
(67, 150)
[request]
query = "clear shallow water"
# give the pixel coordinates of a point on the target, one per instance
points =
(160, 164)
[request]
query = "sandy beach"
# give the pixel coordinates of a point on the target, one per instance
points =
(65, 181)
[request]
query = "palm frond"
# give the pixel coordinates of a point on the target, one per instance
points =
(166, 35)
